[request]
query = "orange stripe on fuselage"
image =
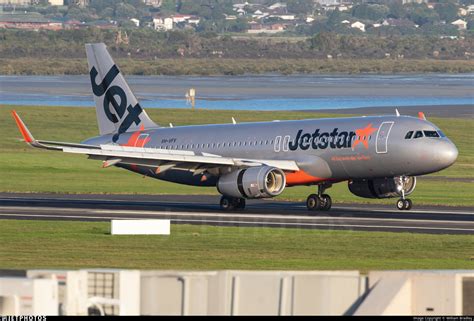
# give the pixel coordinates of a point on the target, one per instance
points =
(21, 127)
(302, 178)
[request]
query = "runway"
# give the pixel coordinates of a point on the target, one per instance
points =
(204, 210)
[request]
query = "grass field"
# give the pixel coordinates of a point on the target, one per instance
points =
(24, 169)
(57, 244)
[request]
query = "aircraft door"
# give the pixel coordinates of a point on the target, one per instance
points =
(382, 137)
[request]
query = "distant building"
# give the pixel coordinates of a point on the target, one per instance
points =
(460, 24)
(358, 25)
(177, 18)
(153, 3)
(462, 12)
(328, 2)
(283, 16)
(56, 2)
(398, 23)
(136, 22)
(28, 22)
(277, 5)
(259, 28)
(16, 2)
(414, 1)
(163, 23)
(80, 3)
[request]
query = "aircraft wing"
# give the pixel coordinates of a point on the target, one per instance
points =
(114, 154)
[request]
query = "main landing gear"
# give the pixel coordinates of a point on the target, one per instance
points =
(232, 203)
(320, 201)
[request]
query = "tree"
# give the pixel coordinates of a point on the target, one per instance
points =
(300, 6)
(396, 10)
(447, 11)
(421, 14)
(370, 11)
(324, 42)
(125, 10)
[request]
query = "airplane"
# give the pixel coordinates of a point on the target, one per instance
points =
(378, 156)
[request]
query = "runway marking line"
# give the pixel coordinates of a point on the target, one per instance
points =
(244, 216)
(256, 223)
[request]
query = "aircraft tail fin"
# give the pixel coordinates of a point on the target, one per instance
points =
(117, 108)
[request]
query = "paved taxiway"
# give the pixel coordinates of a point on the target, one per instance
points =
(204, 210)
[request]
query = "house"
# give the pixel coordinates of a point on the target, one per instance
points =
(136, 22)
(284, 16)
(177, 18)
(162, 23)
(358, 25)
(460, 24)
(309, 19)
(194, 20)
(28, 22)
(153, 3)
(56, 2)
(462, 12)
(345, 22)
(398, 23)
(257, 28)
(342, 8)
(277, 5)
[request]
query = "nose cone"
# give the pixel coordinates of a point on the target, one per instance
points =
(447, 154)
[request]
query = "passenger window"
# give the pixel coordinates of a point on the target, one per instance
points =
(409, 134)
(418, 134)
(431, 133)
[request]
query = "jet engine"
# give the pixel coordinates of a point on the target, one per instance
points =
(253, 182)
(383, 187)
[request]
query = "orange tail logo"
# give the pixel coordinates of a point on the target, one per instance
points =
(136, 141)
(363, 135)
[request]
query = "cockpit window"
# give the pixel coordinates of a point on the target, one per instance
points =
(418, 134)
(430, 133)
(409, 134)
(441, 134)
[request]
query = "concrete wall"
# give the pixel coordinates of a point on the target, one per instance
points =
(133, 292)
(418, 293)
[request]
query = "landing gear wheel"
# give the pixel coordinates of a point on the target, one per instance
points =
(226, 203)
(326, 202)
(401, 204)
(407, 204)
(239, 203)
(313, 203)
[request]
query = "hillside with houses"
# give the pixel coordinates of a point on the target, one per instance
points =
(445, 18)
(235, 37)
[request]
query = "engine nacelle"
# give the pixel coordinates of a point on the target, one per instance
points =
(383, 187)
(253, 182)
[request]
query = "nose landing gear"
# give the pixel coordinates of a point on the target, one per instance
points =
(320, 201)
(404, 203)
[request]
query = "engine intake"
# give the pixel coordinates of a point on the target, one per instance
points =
(253, 182)
(383, 187)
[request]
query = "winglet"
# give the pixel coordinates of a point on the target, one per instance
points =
(397, 112)
(23, 129)
(421, 115)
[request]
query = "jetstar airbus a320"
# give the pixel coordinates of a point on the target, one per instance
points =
(379, 157)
